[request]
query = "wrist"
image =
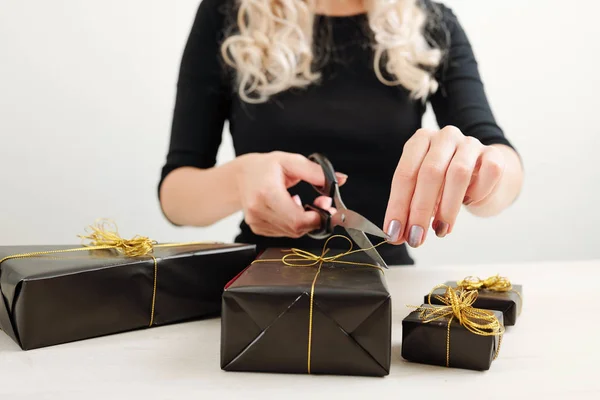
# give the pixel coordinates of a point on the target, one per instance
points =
(238, 168)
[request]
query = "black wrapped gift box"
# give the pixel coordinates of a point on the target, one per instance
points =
(509, 303)
(49, 300)
(266, 316)
(425, 343)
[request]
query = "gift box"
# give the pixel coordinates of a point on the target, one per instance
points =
(48, 299)
(494, 293)
(330, 316)
(454, 335)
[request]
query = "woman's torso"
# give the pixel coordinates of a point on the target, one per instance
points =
(360, 124)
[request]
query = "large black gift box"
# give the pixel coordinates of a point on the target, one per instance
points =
(509, 302)
(54, 299)
(426, 343)
(266, 323)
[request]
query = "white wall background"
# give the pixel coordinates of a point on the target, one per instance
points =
(87, 90)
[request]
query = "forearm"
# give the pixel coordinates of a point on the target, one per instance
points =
(200, 197)
(507, 189)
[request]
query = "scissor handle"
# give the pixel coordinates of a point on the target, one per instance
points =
(329, 172)
(325, 229)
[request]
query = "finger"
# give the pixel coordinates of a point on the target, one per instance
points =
(260, 211)
(262, 227)
(293, 219)
(299, 168)
(341, 178)
(323, 202)
(439, 199)
(297, 200)
(458, 178)
(488, 175)
(288, 227)
(429, 184)
(403, 184)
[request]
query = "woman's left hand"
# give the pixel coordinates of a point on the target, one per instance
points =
(438, 172)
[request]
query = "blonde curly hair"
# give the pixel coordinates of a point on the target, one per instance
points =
(272, 48)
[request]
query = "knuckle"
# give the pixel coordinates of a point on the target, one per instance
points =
(451, 131)
(460, 171)
(255, 228)
(299, 158)
(404, 175)
(433, 171)
(420, 210)
(262, 194)
(254, 206)
(494, 166)
(296, 225)
(295, 235)
(422, 132)
(420, 138)
(471, 141)
(277, 157)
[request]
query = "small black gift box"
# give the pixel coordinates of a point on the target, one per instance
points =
(454, 334)
(333, 318)
(49, 299)
(494, 293)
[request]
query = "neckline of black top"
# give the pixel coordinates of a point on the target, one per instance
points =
(342, 17)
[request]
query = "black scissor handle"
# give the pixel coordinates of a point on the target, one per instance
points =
(325, 229)
(329, 172)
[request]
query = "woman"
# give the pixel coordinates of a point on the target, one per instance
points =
(349, 79)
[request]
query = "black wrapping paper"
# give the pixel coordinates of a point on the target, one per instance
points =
(425, 343)
(265, 320)
(50, 300)
(509, 303)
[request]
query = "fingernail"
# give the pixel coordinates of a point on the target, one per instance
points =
(441, 229)
(415, 236)
(393, 230)
(467, 200)
(298, 200)
(341, 175)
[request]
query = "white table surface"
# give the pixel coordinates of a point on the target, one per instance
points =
(552, 352)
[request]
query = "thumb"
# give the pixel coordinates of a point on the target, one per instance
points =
(298, 167)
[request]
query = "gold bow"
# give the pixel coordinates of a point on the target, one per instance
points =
(303, 258)
(494, 283)
(104, 235)
(459, 304)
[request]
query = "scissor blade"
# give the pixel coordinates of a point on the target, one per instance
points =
(364, 243)
(352, 220)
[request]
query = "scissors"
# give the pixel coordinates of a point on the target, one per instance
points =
(355, 224)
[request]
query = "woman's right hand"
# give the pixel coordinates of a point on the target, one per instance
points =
(269, 209)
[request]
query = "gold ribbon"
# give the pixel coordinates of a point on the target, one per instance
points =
(494, 283)
(459, 304)
(104, 235)
(303, 258)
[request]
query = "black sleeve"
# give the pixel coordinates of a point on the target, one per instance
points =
(203, 97)
(461, 100)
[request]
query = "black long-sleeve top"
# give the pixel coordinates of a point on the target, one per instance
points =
(359, 123)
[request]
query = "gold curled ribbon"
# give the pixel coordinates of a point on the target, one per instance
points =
(104, 235)
(303, 258)
(459, 304)
(494, 283)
